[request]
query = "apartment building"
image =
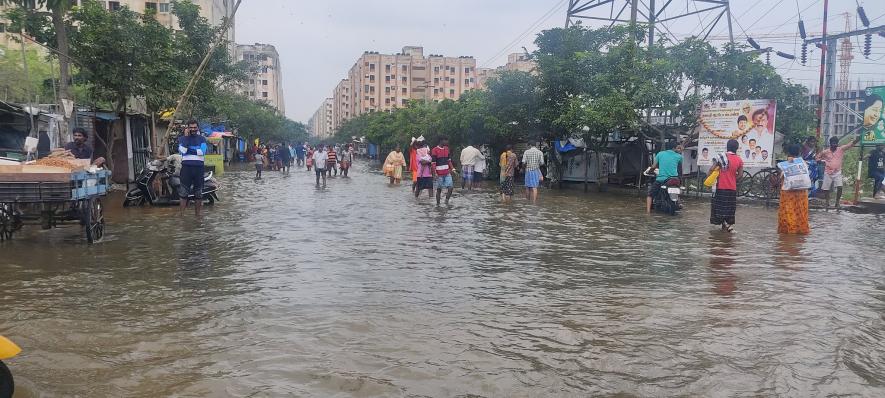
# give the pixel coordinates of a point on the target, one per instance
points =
(382, 82)
(215, 11)
(847, 110)
(341, 106)
(320, 124)
(515, 62)
(266, 84)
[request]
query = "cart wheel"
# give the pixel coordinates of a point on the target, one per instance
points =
(745, 184)
(93, 216)
(7, 222)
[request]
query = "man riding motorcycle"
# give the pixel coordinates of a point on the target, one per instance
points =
(669, 165)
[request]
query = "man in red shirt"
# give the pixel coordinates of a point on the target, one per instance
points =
(724, 205)
(442, 167)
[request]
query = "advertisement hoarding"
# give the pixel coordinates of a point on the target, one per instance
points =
(750, 122)
(874, 116)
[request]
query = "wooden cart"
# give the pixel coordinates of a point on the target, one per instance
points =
(52, 199)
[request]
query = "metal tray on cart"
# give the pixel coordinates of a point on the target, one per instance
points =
(50, 199)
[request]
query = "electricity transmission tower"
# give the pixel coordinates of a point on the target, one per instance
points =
(645, 12)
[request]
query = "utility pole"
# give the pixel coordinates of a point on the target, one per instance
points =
(823, 65)
(828, 72)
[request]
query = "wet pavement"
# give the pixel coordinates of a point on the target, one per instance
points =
(360, 290)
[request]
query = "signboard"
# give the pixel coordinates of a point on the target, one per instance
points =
(751, 122)
(874, 116)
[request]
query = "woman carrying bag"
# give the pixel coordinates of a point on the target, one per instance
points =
(725, 171)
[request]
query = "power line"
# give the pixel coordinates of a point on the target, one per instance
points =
(527, 32)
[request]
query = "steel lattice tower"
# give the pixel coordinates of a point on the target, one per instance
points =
(644, 12)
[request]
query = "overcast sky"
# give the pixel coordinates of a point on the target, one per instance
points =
(319, 40)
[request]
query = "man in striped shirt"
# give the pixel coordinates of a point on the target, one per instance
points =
(442, 167)
(533, 158)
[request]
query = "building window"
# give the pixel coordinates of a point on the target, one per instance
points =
(387, 78)
(435, 91)
(452, 71)
(405, 68)
(371, 78)
(386, 90)
(387, 68)
(366, 89)
(405, 79)
(466, 82)
(372, 90)
(452, 80)
(371, 67)
(164, 7)
(451, 93)
(150, 6)
(435, 80)
(264, 94)
(405, 91)
(436, 69)
(113, 5)
(252, 94)
(264, 82)
(405, 102)
(387, 101)
(466, 70)
(2, 27)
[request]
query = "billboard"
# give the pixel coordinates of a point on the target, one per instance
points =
(874, 116)
(751, 122)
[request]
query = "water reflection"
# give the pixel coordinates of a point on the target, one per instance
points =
(362, 290)
(722, 260)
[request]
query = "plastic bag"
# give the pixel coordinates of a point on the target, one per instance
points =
(712, 178)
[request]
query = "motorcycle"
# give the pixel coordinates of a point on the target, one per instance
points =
(170, 184)
(667, 199)
(8, 349)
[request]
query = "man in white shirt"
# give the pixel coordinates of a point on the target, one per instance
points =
(320, 158)
(469, 157)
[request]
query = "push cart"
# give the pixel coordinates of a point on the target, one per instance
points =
(53, 199)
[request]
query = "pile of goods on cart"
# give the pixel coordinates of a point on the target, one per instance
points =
(54, 190)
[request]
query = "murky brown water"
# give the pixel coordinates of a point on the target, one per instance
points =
(360, 290)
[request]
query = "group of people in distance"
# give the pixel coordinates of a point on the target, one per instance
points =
(323, 159)
(434, 168)
(277, 157)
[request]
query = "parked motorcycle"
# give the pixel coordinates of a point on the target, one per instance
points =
(667, 199)
(170, 184)
(8, 349)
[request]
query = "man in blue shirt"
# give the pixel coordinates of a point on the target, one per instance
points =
(668, 163)
(192, 147)
(299, 154)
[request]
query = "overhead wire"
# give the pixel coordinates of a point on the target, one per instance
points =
(527, 32)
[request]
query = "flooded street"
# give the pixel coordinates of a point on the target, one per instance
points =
(360, 290)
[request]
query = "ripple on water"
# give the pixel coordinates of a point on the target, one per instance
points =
(362, 290)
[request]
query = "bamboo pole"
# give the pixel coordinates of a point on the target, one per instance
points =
(193, 82)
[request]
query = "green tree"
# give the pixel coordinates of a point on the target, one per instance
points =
(50, 27)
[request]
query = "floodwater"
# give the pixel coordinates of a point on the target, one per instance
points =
(359, 290)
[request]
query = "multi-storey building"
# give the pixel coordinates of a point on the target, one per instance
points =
(341, 106)
(266, 84)
(320, 124)
(515, 62)
(848, 104)
(382, 82)
(215, 11)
